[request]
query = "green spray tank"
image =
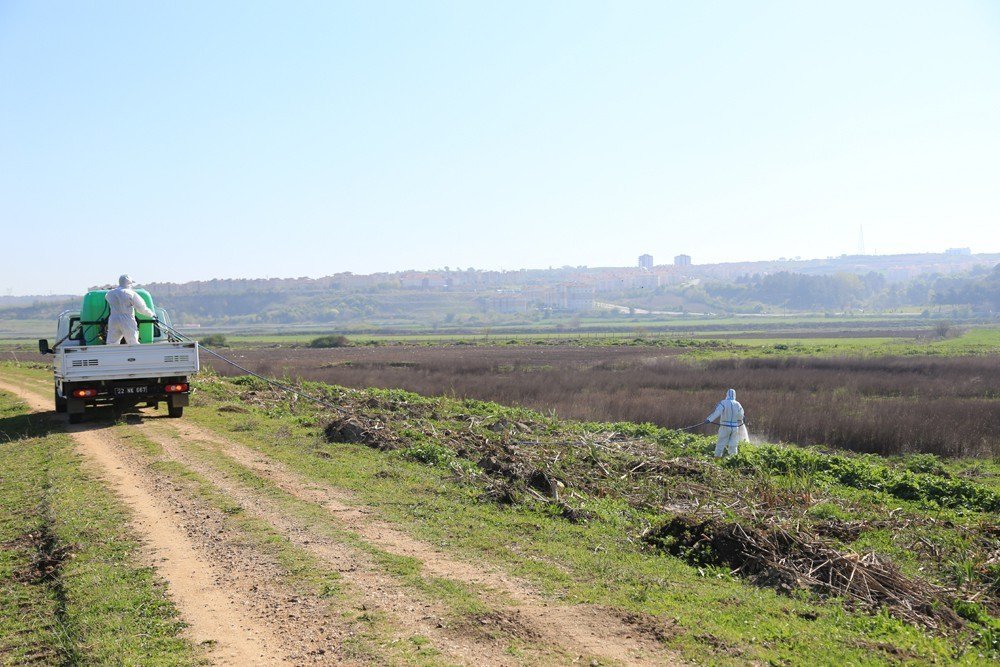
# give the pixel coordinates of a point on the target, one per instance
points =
(94, 317)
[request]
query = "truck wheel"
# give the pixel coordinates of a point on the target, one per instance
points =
(60, 401)
(175, 412)
(76, 417)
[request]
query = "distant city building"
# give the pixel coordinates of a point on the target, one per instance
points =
(646, 262)
(509, 303)
(958, 251)
(571, 297)
(415, 280)
(682, 260)
(626, 283)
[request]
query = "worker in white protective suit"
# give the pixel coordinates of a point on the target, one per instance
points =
(124, 302)
(732, 425)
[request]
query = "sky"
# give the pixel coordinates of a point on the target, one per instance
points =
(196, 140)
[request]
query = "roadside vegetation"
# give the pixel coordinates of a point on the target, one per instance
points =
(726, 562)
(783, 554)
(72, 588)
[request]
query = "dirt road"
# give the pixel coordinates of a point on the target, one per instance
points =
(239, 600)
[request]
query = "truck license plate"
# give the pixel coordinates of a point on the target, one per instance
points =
(131, 391)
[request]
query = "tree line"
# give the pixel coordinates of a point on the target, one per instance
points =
(979, 290)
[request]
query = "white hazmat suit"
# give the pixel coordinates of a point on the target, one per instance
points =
(124, 302)
(732, 430)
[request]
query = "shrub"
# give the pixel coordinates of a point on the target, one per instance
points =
(213, 340)
(870, 474)
(330, 341)
(942, 329)
(429, 453)
(250, 382)
(928, 463)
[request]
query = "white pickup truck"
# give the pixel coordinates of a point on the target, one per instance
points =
(122, 376)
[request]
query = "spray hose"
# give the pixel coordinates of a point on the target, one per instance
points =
(72, 332)
(706, 423)
(270, 381)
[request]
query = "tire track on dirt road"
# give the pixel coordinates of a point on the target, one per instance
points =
(212, 616)
(408, 616)
(578, 629)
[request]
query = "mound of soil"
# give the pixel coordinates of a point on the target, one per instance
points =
(355, 429)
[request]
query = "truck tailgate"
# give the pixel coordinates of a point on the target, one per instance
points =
(117, 362)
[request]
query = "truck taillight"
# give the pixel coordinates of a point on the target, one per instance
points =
(176, 388)
(84, 393)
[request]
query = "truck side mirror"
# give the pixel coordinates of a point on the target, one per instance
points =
(43, 346)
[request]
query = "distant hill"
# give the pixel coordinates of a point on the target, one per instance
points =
(968, 283)
(15, 301)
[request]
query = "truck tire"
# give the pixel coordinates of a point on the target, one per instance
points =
(176, 413)
(60, 401)
(75, 417)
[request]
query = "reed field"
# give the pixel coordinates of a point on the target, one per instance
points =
(941, 404)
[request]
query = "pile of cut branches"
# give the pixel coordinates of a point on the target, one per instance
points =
(780, 558)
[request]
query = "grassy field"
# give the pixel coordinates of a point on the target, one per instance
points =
(584, 326)
(72, 589)
(19, 331)
(605, 513)
(699, 342)
(455, 487)
(944, 404)
(701, 337)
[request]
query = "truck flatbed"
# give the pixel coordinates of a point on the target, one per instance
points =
(122, 362)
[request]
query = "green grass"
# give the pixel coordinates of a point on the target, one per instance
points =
(981, 340)
(458, 597)
(710, 615)
(976, 341)
(21, 330)
(712, 341)
(871, 473)
(600, 562)
(699, 337)
(92, 602)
